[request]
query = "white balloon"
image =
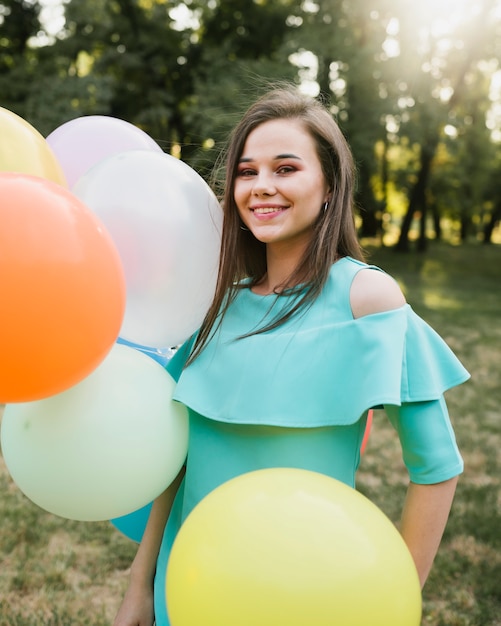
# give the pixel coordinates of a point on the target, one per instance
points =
(166, 223)
(103, 448)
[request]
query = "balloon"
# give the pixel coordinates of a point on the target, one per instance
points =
(166, 224)
(81, 143)
(62, 285)
(23, 149)
(133, 524)
(289, 547)
(102, 449)
(367, 432)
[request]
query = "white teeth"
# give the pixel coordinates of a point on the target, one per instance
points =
(266, 210)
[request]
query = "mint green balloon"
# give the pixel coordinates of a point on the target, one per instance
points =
(103, 448)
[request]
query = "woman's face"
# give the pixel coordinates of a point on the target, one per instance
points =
(280, 187)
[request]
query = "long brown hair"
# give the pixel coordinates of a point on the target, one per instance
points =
(243, 256)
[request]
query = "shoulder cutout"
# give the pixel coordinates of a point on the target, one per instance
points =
(373, 291)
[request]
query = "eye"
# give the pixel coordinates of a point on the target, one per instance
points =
(286, 169)
(246, 172)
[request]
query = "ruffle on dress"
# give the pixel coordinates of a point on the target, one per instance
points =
(313, 373)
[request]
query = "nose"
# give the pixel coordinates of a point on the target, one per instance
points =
(264, 184)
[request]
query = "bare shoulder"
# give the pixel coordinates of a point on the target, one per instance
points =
(373, 291)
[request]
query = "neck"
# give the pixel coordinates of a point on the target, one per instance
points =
(281, 264)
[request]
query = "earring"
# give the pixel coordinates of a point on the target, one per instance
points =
(244, 228)
(325, 205)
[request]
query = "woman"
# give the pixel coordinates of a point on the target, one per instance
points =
(301, 340)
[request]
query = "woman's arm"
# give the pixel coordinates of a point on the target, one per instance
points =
(428, 444)
(432, 458)
(137, 606)
(424, 517)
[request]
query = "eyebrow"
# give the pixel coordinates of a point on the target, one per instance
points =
(275, 158)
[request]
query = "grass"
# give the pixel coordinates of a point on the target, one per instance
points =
(56, 572)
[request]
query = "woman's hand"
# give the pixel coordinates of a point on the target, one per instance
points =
(136, 608)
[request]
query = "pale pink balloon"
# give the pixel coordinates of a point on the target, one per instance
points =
(85, 141)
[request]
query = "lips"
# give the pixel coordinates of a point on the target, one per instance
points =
(267, 210)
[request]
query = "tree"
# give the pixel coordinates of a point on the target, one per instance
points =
(493, 192)
(19, 22)
(347, 39)
(410, 97)
(453, 75)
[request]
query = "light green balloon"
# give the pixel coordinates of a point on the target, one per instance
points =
(103, 448)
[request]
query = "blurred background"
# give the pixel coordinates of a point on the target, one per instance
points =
(415, 86)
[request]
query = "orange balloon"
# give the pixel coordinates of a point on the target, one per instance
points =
(23, 149)
(62, 286)
(367, 432)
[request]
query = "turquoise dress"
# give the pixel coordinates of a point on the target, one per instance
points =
(298, 396)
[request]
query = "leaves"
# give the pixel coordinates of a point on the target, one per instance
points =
(394, 73)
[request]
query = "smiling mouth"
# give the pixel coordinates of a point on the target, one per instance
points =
(267, 210)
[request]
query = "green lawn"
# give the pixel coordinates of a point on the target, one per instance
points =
(56, 572)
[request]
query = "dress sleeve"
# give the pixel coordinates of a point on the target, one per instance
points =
(429, 448)
(429, 366)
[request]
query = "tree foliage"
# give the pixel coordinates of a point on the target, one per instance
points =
(412, 88)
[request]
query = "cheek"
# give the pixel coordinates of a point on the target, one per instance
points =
(313, 198)
(238, 194)
(238, 198)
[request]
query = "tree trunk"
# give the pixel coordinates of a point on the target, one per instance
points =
(371, 224)
(437, 227)
(422, 244)
(417, 198)
(491, 224)
(465, 227)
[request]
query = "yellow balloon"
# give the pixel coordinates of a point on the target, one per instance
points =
(23, 149)
(289, 547)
